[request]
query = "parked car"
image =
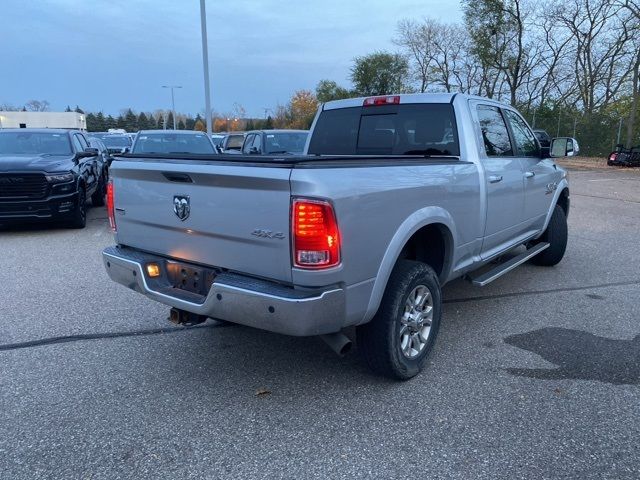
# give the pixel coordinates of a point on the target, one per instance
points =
(172, 141)
(217, 139)
(115, 142)
(543, 137)
(95, 142)
(397, 196)
(272, 142)
(232, 142)
(624, 157)
(48, 174)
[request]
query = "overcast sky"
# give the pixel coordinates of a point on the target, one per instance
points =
(111, 54)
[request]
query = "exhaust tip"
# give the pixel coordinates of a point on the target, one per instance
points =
(338, 342)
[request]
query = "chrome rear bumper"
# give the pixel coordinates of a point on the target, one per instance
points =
(235, 298)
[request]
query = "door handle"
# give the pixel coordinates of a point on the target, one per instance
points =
(495, 178)
(529, 174)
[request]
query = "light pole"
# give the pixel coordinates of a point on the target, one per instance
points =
(205, 63)
(173, 102)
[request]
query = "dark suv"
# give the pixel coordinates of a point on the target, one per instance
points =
(48, 174)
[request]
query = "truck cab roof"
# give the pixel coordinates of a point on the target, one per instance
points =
(406, 98)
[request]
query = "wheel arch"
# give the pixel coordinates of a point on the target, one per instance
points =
(427, 227)
(561, 198)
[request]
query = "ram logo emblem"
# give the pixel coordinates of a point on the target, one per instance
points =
(181, 206)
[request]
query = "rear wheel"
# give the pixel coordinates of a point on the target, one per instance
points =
(79, 217)
(556, 235)
(399, 338)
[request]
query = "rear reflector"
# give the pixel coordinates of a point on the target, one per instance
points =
(111, 206)
(316, 240)
(383, 100)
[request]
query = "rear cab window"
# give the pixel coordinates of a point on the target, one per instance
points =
(404, 129)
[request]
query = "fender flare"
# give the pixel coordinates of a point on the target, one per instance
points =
(414, 222)
(562, 186)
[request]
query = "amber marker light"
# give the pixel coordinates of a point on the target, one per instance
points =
(153, 270)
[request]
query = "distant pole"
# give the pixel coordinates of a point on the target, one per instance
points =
(173, 102)
(205, 63)
(619, 131)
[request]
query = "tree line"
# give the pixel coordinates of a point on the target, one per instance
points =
(568, 65)
(572, 67)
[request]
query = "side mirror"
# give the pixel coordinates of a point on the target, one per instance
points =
(88, 152)
(564, 147)
(125, 150)
(254, 151)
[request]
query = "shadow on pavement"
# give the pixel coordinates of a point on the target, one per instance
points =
(580, 356)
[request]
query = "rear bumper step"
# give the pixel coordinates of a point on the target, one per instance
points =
(499, 270)
(235, 298)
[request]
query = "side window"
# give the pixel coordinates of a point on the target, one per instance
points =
(257, 143)
(494, 132)
(76, 144)
(524, 138)
(83, 141)
(247, 144)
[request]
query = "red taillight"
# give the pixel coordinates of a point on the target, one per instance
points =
(316, 240)
(383, 100)
(111, 206)
(613, 156)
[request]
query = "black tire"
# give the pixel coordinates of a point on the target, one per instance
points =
(79, 216)
(97, 198)
(380, 339)
(556, 235)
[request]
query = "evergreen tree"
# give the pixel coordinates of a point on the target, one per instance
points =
(159, 122)
(110, 122)
(100, 122)
(120, 122)
(92, 125)
(268, 124)
(250, 125)
(130, 121)
(78, 110)
(190, 123)
(181, 125)
(68, 109)
(143, 122)
(170, 121)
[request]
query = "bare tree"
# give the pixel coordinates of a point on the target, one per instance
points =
(418, 39)
(37, 106)
(632, 9)
(7, 107)
(600, 50)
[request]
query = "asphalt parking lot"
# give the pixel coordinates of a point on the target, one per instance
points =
(534, 376)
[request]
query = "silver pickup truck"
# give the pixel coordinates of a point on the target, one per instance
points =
(396, 196)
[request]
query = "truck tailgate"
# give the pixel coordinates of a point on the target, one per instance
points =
(238, 215)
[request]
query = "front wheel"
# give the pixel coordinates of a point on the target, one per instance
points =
(399, 338)
(79, 217)
(556, 235)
